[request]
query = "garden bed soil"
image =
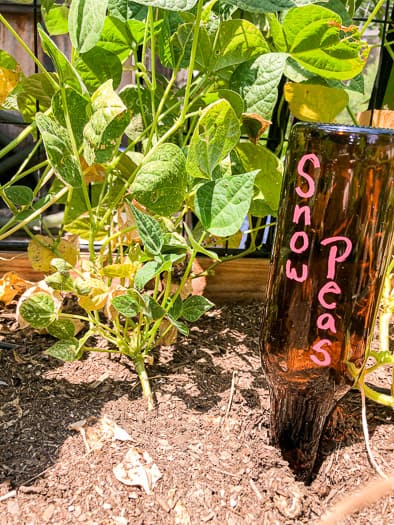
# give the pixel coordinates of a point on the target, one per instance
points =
(208, 437)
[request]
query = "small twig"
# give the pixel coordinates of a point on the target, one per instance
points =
(10, 494)
(232, 391)
(371, 458)
(369, 494)
(260, 497)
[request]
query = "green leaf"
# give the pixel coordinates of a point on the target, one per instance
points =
(222, 205)
(149, 230)
(19, 195)
(126, 304)
(268, 181)
(277, 35)
(67, 350)
(56, 20)
(59, 151)
(171, 5)
(86, 20)
(262, 6)
(97, 66)
(38, 310)
(147, 272)
(233, 97)
(60, 281)
(314, 102)
(103, 132)
(126, 10)
(160, 184)
(176, 310)
(35, 88)
(62, 329)
(257, 82)
(153, 308)
(77, 108)
(316, 40)
(60, 265)
(198, 248)
(237, 41)
(180, 44)
(216, 133)
(195, 306)
(181, 327)
(115, 37)
(7, 61)
(67, 73)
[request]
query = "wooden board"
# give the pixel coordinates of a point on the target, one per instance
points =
(237, 281)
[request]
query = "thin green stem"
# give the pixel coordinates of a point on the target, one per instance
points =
(34, 215)
(17, 140)
(373, 14)
(352, 115)
(193, 55)
(151, 25)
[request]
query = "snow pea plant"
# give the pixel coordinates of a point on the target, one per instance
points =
(155, 114)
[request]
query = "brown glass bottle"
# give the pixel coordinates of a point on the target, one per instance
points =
(331, 250)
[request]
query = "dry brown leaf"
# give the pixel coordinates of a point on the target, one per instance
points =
(95, 431)
(12, 285)
(138, 469)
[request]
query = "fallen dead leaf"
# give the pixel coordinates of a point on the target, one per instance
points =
(95, 431)
(138, 469)
(12, 285)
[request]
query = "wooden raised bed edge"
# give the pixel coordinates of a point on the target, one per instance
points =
(236, 281)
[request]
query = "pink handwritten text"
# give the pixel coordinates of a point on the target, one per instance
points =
(340, 248)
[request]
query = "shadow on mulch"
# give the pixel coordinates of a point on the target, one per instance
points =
(36, 411)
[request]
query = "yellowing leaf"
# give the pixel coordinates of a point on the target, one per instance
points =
(314, 102)
(94, 301)
(8, 80)
(12, 285)
(125, 270)
(41, 251)
(93, 173)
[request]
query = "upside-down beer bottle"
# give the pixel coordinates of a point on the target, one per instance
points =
(332, 246)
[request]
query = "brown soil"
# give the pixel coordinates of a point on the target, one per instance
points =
(208, 437)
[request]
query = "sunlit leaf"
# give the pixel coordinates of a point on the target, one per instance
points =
(216, 133)
(237, 41)
(61, 329)
(42, 249)
(66, 350)
(105, 128)
(161, 183)
(38, 310)
(195, 306)
(86, 20)
(319, 42)
(222, 205)
(314, 102)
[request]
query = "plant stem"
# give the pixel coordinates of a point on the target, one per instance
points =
(34, 215)
(17, 140)
(192, 60)
(144, 380)
(371, 16)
